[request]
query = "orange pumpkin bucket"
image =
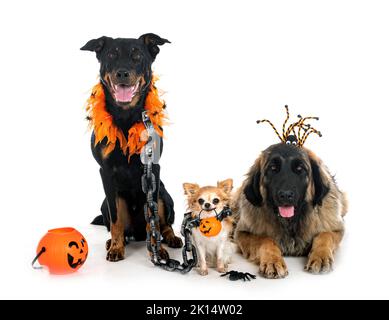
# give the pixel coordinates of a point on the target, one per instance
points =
(62, 251)
(210, 227)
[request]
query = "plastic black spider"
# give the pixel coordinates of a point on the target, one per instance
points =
(236, 275)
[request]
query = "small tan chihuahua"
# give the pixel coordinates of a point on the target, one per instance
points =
(212, 238)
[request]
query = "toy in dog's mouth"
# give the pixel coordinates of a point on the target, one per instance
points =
(286, 212)
(124, 93)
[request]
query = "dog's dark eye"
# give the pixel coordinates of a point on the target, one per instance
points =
(136, 57)
(299, 168)
(216, 201)
(274, 166)
(112, 55)
(201, 202)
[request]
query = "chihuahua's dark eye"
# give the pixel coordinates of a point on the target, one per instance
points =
(216, 201)
(201, 202)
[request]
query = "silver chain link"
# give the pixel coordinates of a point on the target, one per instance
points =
(150, 186)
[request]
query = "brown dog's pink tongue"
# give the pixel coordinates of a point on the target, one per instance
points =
(286, 212)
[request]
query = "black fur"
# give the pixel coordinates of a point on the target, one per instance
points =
(119, 176)
(153, 42)
(99, 220)
(252, 192)
(321, 190)
(280, 173)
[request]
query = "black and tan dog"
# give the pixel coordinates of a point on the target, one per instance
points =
(289, 205)
(125, 85)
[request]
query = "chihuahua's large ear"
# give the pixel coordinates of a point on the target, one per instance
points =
(226, 185)
(320, 182)
(191, 189)
(96, 45)
(252, 189)
(152, 41)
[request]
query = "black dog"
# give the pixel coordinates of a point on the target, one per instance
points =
(125, 74)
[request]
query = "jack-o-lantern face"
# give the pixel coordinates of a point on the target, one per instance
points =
(77, 253)
(65, 250)
(210, 227)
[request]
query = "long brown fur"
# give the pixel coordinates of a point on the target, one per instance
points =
(263, 240)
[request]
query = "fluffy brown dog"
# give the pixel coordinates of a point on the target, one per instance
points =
(289, 205)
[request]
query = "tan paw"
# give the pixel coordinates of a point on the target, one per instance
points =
(222, 269)
(273, 267)
(174, 242)
(164, 255)
(115, 253)
(108, 244)
(320, 261)
(203, 272)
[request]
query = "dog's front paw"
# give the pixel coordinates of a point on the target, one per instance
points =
(221, 266)
(115, 253)
(273, 267)
(163, 254)
(222, 269)
(320, 261)
(174, 242)
(203, 271)
(108, 244)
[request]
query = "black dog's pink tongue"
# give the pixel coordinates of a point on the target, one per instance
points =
(125, 93)
(286, 212)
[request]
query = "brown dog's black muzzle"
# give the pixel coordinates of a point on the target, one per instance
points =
(286, 197)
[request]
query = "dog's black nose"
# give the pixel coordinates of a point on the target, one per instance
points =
(286, 196)
(207, 205)
(122, 74)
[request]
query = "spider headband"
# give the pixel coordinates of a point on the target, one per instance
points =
(297, 132)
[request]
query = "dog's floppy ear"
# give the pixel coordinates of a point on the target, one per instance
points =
(251, 191)
(152, 41)
(319, 182)
(226, 185)
(95, 45)
(191, 189)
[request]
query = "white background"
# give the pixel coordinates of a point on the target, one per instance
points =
(229, 64)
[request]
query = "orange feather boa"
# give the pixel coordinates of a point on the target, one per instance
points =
(104, 128)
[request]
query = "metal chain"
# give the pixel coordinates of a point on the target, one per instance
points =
(150, 186)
